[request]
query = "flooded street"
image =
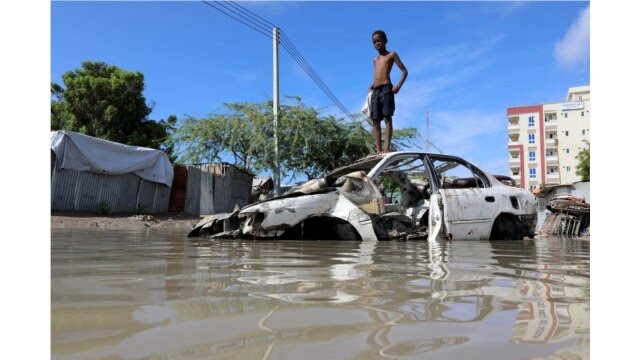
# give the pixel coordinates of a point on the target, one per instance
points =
(158, 294)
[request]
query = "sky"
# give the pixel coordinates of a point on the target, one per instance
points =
(467, 61)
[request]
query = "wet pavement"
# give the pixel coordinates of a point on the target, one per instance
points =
(157, 294)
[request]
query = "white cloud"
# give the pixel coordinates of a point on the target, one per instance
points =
(478, 136)
(573, 49)
(451, 56)
(460, 132)
(508, 7)
(416, 95)
(435, 71)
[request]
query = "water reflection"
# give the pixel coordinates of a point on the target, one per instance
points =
(136, 295)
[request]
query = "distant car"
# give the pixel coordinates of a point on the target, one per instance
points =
(399, 195)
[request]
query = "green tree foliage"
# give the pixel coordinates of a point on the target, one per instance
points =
(104, 101)
(309, 144)
(584, 162)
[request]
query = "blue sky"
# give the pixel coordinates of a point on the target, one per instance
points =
(467, 61)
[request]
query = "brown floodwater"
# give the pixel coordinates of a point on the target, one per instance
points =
(158, 294)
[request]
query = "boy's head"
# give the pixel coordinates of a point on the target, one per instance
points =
(381, 34)
(379, 39)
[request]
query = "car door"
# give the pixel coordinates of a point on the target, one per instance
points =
(469, 204)
(404, 179)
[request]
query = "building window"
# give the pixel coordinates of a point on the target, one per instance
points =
(565, 115)
(584, 131)
(533, 187)
(532, 138)
(566, 133)
(568, 168)
(567, 150)
(532, 173)
(531, 122)
(582, 113)
(580, 97)
(551, 135)
(532, 156)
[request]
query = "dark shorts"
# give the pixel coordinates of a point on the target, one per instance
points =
(382, 102)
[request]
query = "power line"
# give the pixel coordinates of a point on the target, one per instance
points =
(299, 59)
(266, 33)
(311, 72)
(264, 27)
(255, 16)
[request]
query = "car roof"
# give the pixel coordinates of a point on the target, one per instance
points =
(367, 163)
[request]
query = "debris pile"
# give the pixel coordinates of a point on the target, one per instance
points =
(569, 216)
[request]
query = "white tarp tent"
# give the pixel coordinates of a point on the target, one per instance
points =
(85, 153)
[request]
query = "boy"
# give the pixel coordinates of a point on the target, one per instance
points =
(382, 99)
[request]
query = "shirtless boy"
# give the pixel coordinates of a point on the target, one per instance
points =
(383, 97)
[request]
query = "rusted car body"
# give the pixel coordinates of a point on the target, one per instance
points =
(399, 195)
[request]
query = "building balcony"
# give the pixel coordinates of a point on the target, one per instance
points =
(513, 142)
(553, 180)
(514, 129)
(551, 143)
(514, 161)
(550, 125)
(553, 176)
(553, 159)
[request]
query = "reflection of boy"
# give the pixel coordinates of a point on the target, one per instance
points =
(383, 98)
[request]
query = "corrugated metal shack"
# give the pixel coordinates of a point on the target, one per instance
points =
(205, 189)
(95, 175)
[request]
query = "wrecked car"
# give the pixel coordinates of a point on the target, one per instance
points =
(393, 196)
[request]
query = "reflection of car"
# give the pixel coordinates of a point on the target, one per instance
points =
(399, 195)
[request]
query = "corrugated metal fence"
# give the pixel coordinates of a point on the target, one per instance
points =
(209, 188)
(197, 190)
(84, 191)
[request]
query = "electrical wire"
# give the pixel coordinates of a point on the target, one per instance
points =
(262, 32)
(265, 27)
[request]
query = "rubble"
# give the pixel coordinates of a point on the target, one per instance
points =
(570, 215)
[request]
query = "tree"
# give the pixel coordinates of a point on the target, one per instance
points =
(309, 144)
(584, 162)
(104, 101)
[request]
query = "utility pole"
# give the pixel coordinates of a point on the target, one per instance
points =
(428, 142)
(426, 138)
(276, 105)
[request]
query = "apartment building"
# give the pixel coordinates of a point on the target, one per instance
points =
(544, 140)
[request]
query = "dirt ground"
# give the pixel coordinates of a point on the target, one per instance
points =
(122, 221)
